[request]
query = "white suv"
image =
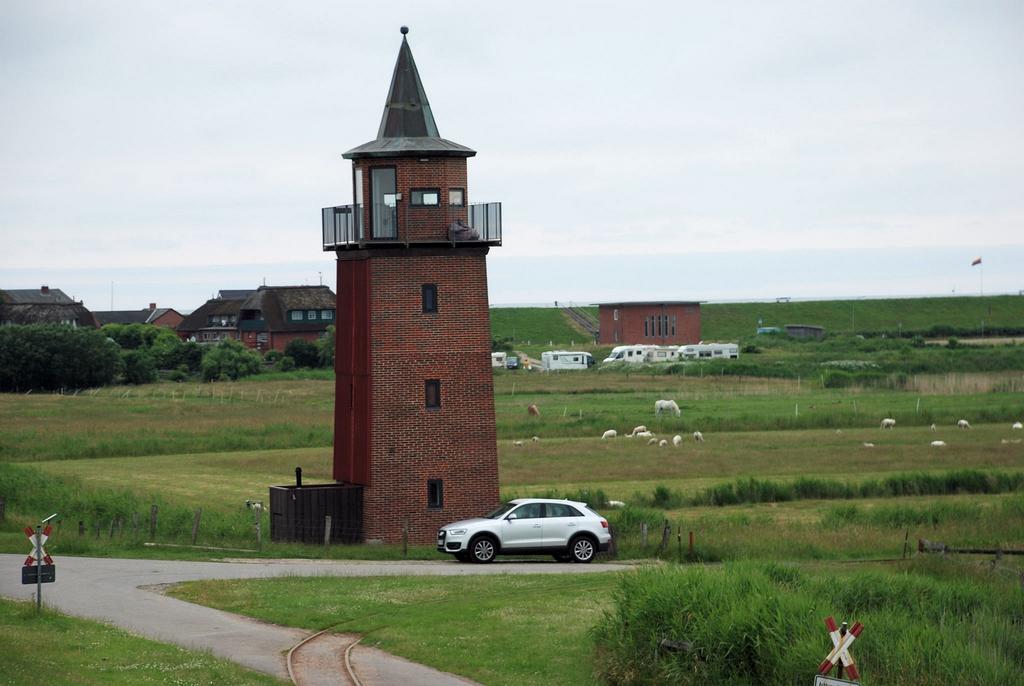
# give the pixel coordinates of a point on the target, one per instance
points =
(529, 526)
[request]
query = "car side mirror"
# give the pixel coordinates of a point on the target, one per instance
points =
(512, 516)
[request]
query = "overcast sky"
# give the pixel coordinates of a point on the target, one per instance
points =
(675, 150)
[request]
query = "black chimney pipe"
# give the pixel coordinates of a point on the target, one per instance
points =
(298, 477)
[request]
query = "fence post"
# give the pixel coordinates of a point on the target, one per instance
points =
(152, 523)
(259, 531)
(643, 535)
(135, 524)
(81, 528)
(665, 533)
(112, 522)
(691, 544)
(195, 525)
(613, 546)
(96, 529)
(327, 529)
(404, 539)
(3, 508)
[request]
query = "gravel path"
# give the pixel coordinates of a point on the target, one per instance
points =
(126, 593)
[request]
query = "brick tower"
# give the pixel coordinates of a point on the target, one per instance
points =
(414, 402)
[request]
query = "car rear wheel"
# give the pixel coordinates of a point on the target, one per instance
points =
(582, 549)
(483, 549)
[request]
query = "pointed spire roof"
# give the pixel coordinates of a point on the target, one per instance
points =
(407, 126)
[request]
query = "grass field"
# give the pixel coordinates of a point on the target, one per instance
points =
(731, 321)
(56, 649)
(749, 623)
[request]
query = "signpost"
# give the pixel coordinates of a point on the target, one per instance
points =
(841, 642)
(39, 568)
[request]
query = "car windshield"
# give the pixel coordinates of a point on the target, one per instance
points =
(500, 512)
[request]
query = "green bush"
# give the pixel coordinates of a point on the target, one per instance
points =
(50, 357)
(230, 360)
(304, 353)
(285, 364)
(138, 367)
(325, 348)
(952, 343)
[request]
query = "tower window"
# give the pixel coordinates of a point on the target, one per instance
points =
(425, 197)
(429, 297)
(435, 494)
(432, 393)
(456, 197)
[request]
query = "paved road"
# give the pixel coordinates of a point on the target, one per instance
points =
(115, 591)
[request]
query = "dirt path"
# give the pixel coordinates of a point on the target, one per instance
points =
(127, 594)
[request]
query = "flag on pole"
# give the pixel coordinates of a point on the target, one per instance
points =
(977, 261)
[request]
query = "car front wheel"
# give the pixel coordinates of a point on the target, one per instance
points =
(582, 549)
(483, 549)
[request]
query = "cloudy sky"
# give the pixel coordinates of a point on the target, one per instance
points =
(680, 150)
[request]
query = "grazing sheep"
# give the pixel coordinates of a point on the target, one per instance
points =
(254, 505)
(616, 503)
(963, 424)
(938, 444)
(1017, 425)
(888, 423)
(666, 406)
(644, 434)
(1012, 440)
(839, 431)
(663, 443)
(535, 438)
(517, 444)
(698, 436)
(639, 429)
(533, 410)
(677, 440)
(653, 441)
(869, 445)
(932, 427)
(610, 433)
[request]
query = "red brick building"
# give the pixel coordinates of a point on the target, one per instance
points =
(167, 317)
(655, 323)
(414, 403)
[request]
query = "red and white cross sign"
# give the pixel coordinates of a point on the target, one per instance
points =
(841, 648)
(32, 559)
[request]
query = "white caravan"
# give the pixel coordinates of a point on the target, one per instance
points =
(661, 353)
(628, 353)
(709, 351)
(552, 360)
(498, 359)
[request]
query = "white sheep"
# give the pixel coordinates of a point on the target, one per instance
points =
(639, 429)
(653, 441)
(677, 440)
(698, 436)
(869, 445)
(616, 503)
(644, 434)
(666, 406)
(938, 444)
(888, 423)
(932, 427)
(663, 443)
(963, 424)
(535, 439)
(1017, 425)
(254, 505)
(517, 444)
(610, 433)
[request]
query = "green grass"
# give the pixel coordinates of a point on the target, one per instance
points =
(492, 629)
(534, 325)
(731, 321)
(52, 648)
(926, 623)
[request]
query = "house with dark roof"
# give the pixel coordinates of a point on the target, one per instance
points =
(43, 306)
(158, 316)
(265, 319)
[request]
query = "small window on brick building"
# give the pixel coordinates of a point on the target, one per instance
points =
(429, 297)
(615, 314)
(425, 197)
(435, 494)
(432, 393)
(456, 197)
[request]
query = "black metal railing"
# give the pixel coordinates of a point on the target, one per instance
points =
(351, 225)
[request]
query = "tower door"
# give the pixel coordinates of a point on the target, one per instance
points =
(384, 212)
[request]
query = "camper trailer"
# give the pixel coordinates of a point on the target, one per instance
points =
(709, 351)
(661, 353)
(552, 360)
(628, 353)
(498, 359)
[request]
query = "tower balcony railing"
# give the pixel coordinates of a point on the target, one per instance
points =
(350, 226)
